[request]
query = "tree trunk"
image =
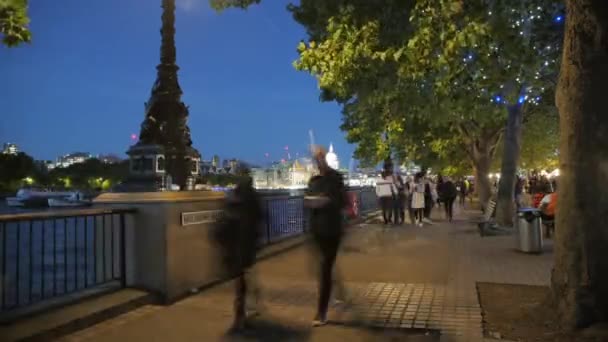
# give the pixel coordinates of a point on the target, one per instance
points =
(505, 206)
(580, 274)
(482, 160)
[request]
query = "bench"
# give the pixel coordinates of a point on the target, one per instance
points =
(490, 228)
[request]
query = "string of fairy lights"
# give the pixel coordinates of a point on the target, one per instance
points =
(540, 29)
(531, 24)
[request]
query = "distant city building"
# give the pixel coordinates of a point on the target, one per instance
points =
(215, 162)
(72, 158)
(284, 174)
(300, 172)
(45, 165)
(10, 148)
(207, 167)
(332, 158)
(233, 164)
(230, 165)
(109, 159)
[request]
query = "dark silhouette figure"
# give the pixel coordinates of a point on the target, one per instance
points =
(448, 193)
(326, 198)
(400, 200)
(237, 235)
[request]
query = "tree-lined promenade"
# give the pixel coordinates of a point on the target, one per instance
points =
(460, 86)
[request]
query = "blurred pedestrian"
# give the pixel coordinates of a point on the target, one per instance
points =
(400, 200)
(418, 198)
(448, 193)
(237, 236)
(326, 198)
(430, 198)
(440, 182)
(385, 190)
(462, 192)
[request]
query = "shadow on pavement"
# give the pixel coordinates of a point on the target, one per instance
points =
(374, 333)
(273, 330)
(268, 330)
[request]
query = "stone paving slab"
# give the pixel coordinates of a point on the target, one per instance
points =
(401, 283)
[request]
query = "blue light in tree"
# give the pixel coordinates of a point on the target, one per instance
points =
(498, 99)
(537, 98)
(521, 99)
(559, 18)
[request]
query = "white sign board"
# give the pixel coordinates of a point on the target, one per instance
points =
(200, 217)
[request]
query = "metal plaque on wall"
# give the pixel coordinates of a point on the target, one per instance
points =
(200, 217)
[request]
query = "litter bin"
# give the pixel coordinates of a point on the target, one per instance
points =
(529, 231)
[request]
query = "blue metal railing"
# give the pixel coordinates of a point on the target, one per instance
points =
(286, 215)
(51, 254)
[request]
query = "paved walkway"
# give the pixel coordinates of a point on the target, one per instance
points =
(402, 283)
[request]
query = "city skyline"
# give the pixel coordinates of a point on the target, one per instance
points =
(12, 148)
(236, 91)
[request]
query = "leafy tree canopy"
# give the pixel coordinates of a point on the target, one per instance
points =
(14, 22)
(223, 4)
(452, 64)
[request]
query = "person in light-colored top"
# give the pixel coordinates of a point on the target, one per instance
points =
(417, 189)
(386, 192)
(547, 206)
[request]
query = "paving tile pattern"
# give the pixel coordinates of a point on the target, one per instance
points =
(378, 305)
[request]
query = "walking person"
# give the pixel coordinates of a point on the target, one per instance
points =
(237, 235)
(449, 194)
(440, 182)
(418, 198)
(409, 189)
(326, 198)
(519, 189)
(400, 200)
(386, 192)
(462, 192)
(441, 192)
(430, 198)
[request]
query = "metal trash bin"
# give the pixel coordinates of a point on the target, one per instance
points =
(529, 231)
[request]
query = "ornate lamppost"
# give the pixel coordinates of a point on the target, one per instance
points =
(164, 150)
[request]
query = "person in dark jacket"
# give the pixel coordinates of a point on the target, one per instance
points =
(400, 200)
(238, 236)
(448, 193)
(326, 198)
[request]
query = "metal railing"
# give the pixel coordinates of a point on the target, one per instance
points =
(46, 255)
(286, 215)
(367, 199)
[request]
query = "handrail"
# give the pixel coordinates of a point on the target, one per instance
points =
(285, 197)
(64, 213)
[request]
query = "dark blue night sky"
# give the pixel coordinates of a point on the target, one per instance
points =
(81, 85)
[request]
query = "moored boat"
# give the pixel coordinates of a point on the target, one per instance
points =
(33, 198)
(76, 199)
